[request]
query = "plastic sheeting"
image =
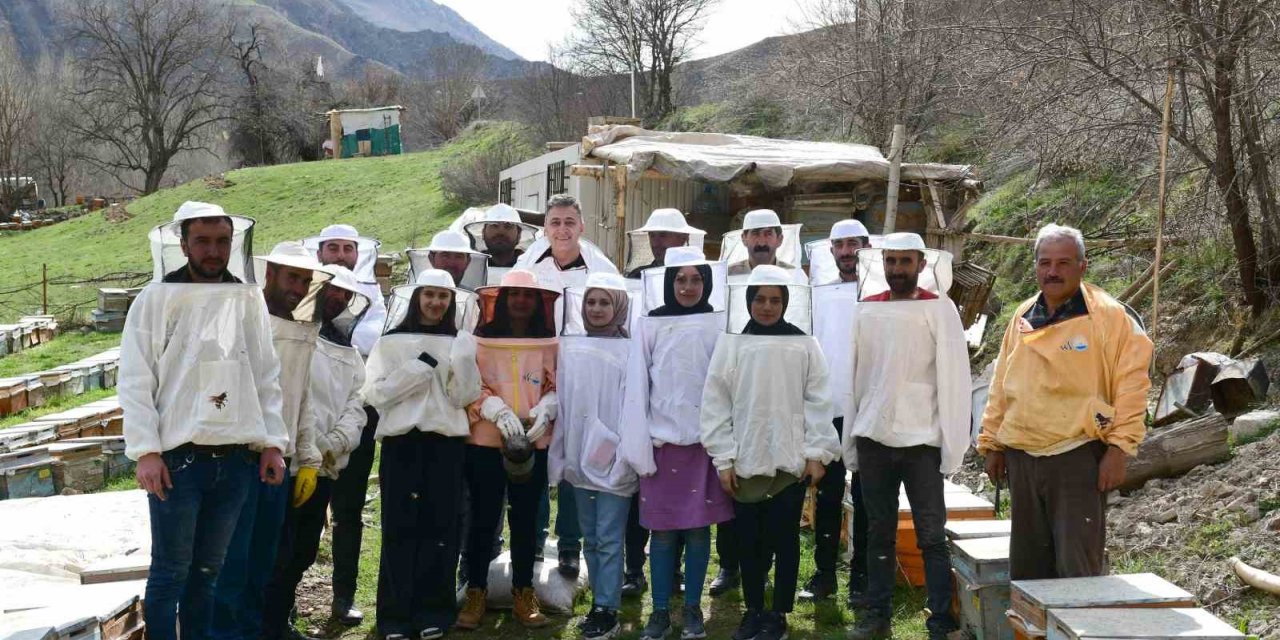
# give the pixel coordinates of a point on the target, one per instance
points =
(353, 121)
(53, 539)
(716, 157)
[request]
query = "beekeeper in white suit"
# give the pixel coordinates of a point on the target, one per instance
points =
(200, 390)
(451, 251)
(341, 244)
(763, 240)
(502, 235)
(337, 373)
(907, 421)
(291, 280)
(665, 229)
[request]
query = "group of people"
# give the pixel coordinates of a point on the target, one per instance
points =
(680, 395)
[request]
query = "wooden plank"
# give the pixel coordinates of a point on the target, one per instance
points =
(1137, 624)
(969, 529)
(1031, 599)
(118, 569)
(937, 205)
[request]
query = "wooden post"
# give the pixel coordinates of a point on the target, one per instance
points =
(44, 289)
(895, 175)
(620, 214)
(1164, 196)
(335, 133)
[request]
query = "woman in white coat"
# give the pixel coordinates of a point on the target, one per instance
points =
(594, 348)
(766, 422)
(421, 376)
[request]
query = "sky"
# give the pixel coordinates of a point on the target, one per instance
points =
(528, 26)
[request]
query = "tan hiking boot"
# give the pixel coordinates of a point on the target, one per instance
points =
(526, 610)
(472, 610)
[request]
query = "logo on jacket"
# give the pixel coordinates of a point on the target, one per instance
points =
(1077, 343)
(1102, 421)
(532, 379)
(219, 401)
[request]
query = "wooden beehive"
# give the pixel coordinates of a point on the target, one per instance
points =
(1136, 624)
(1032, 599)
(35, 392)
(13, 396)
(982, 561)
(982, 608)
(113, 300)
(969, 529)
(79, 466)
(29, 476)
(53, 383)
(961, 505)
(115, 464)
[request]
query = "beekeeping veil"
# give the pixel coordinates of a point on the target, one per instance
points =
(404, 310)
(640, 252)
(822, 264)
(735, 253)
(752, 300)
(500, 214)
(933, 280)
(451, 251)
(291, 280)
(517, 289)
(169, 255)
(366, 249)
(342, 305)
(662, 286)
(601, 309)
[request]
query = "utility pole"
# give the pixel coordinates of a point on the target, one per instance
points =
(895, 178)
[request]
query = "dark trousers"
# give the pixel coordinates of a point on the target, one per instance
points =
(829, 516)
(727, 547)
(882, 471)
(347, 504)
(299, 543)
(486, 480)
(190, 532)
(768, 532)
(251, 558)
(1059, 516)
(636, 539)
(421, 480)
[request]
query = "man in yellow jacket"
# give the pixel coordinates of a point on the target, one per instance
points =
(1066, 409)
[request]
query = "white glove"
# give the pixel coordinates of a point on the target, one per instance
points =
(508, 424)
(540, 424)
(492, 407)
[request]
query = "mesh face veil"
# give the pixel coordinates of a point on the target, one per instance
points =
(450, 251)
(291, 280)
(666, 228)
(601, 309)
(216, 246)
(769, 302)
(897, 261)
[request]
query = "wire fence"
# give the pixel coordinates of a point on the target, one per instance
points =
(69, 297)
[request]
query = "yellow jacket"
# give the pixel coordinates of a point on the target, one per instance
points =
(1070, 382)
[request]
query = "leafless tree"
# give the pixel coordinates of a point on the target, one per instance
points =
(56, 149)
(647, 37)
(17, 118)
(440, 100)
(556, 103)
(274, 112)
(151, 82)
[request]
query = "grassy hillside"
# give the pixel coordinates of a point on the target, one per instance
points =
(395, 199)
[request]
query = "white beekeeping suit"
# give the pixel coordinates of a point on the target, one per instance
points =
(473, 223)
(766, 405)
(291, 279)
(833, 304)
(551, 275)
(420, 377)
(910, 362)
(672, 345)
(590, 383)
(196, 360)
(474, 272)
(337, 373)
(370, 327)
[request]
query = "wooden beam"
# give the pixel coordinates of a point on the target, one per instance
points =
(620, 217)
(937, 205)
(895, 174)
(1174, 450)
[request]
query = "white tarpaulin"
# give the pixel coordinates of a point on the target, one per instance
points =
(53, 539)
(357, 119)
(717, 157)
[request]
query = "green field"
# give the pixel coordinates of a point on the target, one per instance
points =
(396, 199)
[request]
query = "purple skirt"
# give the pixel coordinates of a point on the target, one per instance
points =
(684, 493)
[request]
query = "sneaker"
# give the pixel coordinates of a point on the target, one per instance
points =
(569, 566)
(395, 636)
(658, 627)
(871, 627)
(693, 627)
(294, 634)
(773, 626)
(634, 585)
(600, 624)
(820, 587)
(725, 582)
(345, 613)
(431, 633)
(750, 627)
(473, 609)
(526, 610)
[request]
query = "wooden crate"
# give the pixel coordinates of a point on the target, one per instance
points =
(77, 385)
(1032, 599)
(982, 608)
(113, 299)
(67, 426)
(13, 396)
(35, 392)
(982, 561)
(31, 434)
(115, 464)
(1136, 624)
(961, 505)
(969, 529)
(93, 370)
(33, 480)
(110, 370)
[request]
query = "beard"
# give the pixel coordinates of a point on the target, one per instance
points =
(208, 268)
(903, 284)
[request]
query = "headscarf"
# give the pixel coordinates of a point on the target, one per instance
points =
(616, 327)
(779, 328)
(500, 326)
(412, 322)
(670, 306)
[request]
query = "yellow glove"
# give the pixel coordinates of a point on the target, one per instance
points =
(304, 484)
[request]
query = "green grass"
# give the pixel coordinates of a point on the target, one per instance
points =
(54, 405)
(826, 621)
(396, 199)
(66, 348)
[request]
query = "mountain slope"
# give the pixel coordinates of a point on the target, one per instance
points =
(424, 15)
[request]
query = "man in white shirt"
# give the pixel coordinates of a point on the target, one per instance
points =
(200, 390)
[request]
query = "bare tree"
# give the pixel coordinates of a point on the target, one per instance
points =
(17, 118)
(556, 103)
(647, 37)
(56, 148)
(273, 113)
(151, 82)
(440, 101)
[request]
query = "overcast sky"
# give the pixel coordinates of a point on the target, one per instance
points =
(528, 26)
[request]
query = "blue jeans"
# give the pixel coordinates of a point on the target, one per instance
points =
(568, 534)
(189, 535)
(602, 518)
(240, 594)
(663, 547)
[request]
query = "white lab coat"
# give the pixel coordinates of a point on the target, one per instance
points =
(410, 394)
(295, 342)
(833, 306)
(584, 446)
(910, 379)
(369, 329)
(766, 406)
(549, 275)
(337, 374)
(197, 366)
(666, 372)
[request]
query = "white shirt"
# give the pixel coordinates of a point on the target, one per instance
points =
(295, 342)
(337, 374)
(410, 394)
(370, 327)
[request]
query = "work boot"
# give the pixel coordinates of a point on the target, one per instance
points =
(569, 566)
(820, 587)
(345, 612)
(725, 582)
(473, 609)
(750, 627)
(634, 585)
(693, 628)
(601, 624)
(773, 626)
(658, 627)
(526, 610)
(871, 627)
